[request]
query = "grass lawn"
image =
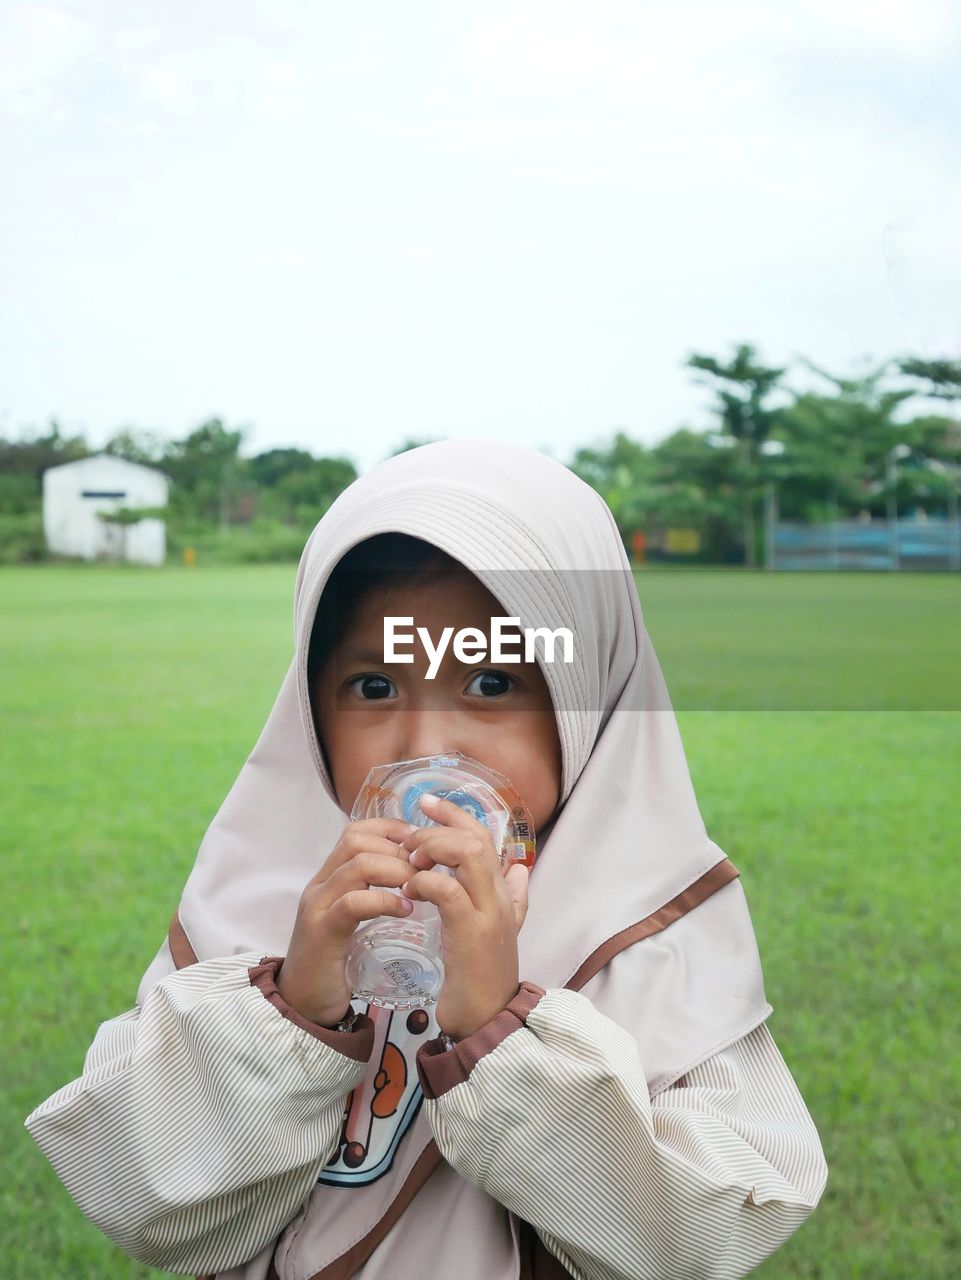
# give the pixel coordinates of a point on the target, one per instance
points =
(820, 714)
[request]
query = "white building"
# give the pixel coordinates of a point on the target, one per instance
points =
(75, 493)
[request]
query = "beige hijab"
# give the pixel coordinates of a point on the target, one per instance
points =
(627, 852)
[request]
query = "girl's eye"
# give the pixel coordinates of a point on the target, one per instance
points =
(492, 683)
(374, 687)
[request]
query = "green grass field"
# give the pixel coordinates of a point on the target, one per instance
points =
(130, 699)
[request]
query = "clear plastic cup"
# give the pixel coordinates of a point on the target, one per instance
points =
(397, 963)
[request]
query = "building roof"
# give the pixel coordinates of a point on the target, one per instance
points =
(114, 461)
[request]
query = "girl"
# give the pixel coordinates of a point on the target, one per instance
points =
(596, 1093)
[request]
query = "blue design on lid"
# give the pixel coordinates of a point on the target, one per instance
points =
(413, 813)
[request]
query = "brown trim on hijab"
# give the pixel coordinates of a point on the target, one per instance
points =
(350, 1262)
(717, 877)
(537, 1262)
(180, 949)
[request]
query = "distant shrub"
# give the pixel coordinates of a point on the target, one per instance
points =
(259, 542)
(21, 537)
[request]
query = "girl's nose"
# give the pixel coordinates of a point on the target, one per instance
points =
(431, 733)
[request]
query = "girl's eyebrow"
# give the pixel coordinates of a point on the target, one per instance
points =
(376, 656)
(363, 655)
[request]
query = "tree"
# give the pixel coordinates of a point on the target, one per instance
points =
(310, 490)
(145, 447)
(941, 378)
(295, 487)
(745, 416)
(695, 485)
(938, 438)
(838, 443)
(125, 517)
(34, 452)
(267, 469)
(622, 472)
(207, 469)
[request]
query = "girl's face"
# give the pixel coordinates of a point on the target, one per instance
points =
(368, 712)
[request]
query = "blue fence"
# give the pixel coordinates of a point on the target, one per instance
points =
(878, 544)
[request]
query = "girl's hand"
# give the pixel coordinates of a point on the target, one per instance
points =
(333, 903)
(481, 911)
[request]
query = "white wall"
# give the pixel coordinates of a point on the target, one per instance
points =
(75, 492)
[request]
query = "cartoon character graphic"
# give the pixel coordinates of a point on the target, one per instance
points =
(381, 1108)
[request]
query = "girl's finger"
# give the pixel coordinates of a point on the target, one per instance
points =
(363, 871)
(449, 897)
(371, 835)
(447, 814)
(517, 880)
(470, 859)
(395, 829)
(345, 914)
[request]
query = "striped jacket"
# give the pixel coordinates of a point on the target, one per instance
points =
(195, 1135)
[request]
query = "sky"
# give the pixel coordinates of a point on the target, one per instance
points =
(341, 227)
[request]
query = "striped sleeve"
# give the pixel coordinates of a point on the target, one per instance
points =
(552, 1116)
(202, 1119)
